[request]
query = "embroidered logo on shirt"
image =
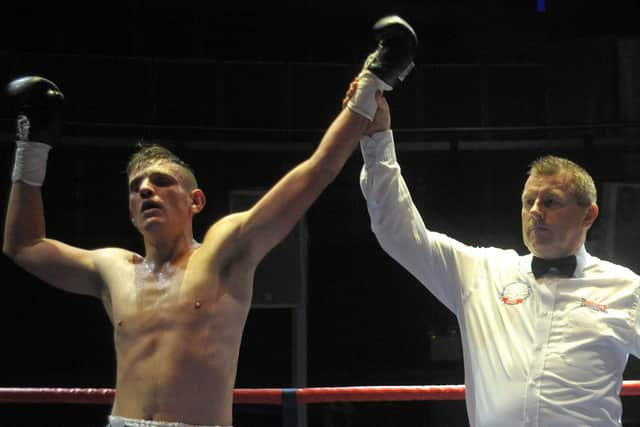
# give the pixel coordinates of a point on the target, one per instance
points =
(515, 293)
(593, 305)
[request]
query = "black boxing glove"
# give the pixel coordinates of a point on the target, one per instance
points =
(392, 60)
(385, 67)
(37, 103)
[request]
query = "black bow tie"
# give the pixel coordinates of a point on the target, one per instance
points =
(564, 266)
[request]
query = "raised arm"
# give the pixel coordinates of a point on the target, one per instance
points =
(39, 102)
(273, 217)
(276, 213)
(431, 257)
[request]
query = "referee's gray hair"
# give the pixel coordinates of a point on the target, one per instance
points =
(581, 185)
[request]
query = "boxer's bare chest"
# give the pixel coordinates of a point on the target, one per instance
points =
(153, 287)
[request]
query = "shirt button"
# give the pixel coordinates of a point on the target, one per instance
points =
(544, 313)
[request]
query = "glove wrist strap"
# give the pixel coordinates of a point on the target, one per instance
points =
(363, 100)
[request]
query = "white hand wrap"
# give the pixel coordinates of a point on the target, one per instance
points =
(363, 100)
(30, 164)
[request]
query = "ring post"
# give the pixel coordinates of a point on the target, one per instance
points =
(289, 407)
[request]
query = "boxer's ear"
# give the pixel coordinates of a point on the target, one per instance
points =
(198, 201)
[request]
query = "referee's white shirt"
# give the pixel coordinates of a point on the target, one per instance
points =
(546, 352)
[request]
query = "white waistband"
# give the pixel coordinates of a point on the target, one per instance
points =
(115, 421)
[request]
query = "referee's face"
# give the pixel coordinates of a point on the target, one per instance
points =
(554, 225)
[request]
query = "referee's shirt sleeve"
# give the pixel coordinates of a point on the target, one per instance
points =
(433, 258)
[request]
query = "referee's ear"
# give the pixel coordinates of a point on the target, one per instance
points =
(590, 215)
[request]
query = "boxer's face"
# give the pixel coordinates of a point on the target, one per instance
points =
(553, 223)
(159, 195)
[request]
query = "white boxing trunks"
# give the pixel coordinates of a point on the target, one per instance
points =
(115, 421)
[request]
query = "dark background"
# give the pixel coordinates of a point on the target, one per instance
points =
(243, 91)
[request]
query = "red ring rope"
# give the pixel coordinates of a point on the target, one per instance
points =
(269, 396)
(379, 393)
